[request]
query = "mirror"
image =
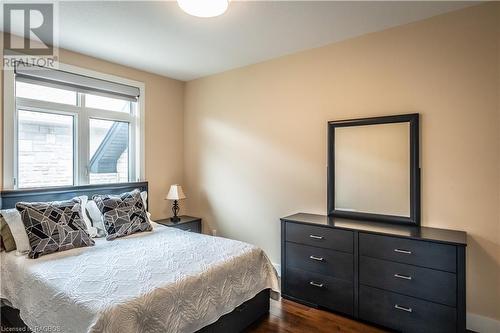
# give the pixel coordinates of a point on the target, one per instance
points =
(373, 169)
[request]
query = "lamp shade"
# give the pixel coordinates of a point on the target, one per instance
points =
(175, 193)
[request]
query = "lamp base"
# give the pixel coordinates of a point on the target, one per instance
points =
(175, 210)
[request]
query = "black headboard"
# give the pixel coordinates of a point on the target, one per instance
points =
(9, 198)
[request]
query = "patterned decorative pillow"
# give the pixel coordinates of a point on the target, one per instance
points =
(54, 226)
(8, 243)
(124, 214)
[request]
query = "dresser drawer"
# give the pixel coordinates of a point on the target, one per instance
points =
(335, 264)
(335, 239)
(405, 313)
(407, 251)
(334, 294)
(429, 284)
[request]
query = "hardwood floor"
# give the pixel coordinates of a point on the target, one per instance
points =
(284, 317)
(290, 317)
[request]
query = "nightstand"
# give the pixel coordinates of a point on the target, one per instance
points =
(187, 223)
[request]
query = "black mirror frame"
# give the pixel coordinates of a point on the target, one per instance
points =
(413, 120)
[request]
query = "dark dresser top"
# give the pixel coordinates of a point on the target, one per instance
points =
(183, 219)
(420, 233)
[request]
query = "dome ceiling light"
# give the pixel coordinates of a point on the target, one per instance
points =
(204, 8)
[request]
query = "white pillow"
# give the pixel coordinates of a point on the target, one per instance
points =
(149, 217)
(97, 219)
(144, 197)
(16, 226)
(92, 231)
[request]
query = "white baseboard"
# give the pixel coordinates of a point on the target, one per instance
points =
(277, 267)
(482, 324)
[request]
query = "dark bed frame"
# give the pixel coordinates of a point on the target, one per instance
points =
(236, 321)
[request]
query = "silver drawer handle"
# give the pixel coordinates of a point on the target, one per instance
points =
(316, 237)
(402, 251)
(402, 308)
(319, 285)
(316, 258)
(405, 277)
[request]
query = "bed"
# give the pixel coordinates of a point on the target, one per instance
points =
(167, 280)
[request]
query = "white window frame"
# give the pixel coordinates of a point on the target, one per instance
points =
(82, 115)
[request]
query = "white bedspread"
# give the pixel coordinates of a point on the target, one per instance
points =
(167, 280)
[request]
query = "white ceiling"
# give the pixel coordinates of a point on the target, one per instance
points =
(158, 37)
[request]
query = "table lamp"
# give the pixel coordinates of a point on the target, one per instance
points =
(175, 194)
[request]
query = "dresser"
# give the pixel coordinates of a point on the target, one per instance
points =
(407, 278)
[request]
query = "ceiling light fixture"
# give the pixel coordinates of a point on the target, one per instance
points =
(204, 8)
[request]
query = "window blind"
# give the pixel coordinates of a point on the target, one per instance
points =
(80, 83)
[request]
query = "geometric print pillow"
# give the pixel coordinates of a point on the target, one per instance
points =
(124, 214)
(54, 226)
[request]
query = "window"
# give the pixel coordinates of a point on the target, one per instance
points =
(107, 103)
(66, 133)
(44, 93)
(45, 149)
(109, 162)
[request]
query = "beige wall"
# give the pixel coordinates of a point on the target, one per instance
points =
(164, 125)
(255, 137)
